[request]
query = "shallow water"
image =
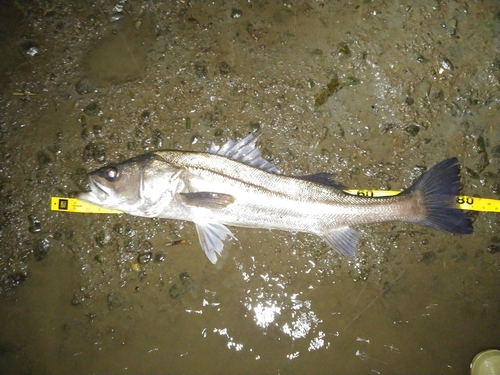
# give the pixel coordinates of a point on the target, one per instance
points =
(373, 92)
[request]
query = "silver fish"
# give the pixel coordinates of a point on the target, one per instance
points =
(233, 185)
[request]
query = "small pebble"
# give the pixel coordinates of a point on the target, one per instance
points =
(412, 130)
(41, 249)
(145, 115)
(145, 257)
(35, 226)
(344, 49)
(445, 65)
(85, 86)
(236, 13)
(18, 278)
(103, 238)
(97, 130)
(92, 109)
(29, 49)
(492, 249)
(159, 257)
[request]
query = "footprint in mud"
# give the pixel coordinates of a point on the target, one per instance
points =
(186, 285)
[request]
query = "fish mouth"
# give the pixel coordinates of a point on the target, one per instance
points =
(97, 193)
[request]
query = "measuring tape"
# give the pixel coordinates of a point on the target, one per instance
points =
(463, 202)
(77, 205)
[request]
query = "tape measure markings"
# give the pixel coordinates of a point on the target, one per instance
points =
(77, 205)
(464, 202)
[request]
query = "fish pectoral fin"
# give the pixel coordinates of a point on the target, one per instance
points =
(211, 236)
(343, 240)
(207, 199)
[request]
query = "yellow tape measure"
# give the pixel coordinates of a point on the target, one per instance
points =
(77, 205)
(463, 202)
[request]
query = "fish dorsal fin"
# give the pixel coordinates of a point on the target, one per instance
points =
(244, 151)
(323, 178)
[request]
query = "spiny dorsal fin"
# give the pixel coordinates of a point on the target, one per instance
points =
(244, 151)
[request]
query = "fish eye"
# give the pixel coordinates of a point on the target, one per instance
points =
(111, 173)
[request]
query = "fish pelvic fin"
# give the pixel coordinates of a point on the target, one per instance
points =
(343, 240)
(211, 236)
(439, 187)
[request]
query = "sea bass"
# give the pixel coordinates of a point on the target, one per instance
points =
(233, 185)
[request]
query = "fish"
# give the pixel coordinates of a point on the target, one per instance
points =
(233, 185)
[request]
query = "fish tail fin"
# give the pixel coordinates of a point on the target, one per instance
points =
(440, 186)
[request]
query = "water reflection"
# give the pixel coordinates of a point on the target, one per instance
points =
(273, 306)
(230, 344)
(294, 317)
(265, 315)
(303, 320)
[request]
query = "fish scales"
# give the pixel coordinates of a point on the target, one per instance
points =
(284, 202)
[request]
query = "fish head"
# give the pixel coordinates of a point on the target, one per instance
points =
(131, 186)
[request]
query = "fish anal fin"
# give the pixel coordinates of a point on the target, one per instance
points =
(207, 199)
(211, 236)
(343, 240)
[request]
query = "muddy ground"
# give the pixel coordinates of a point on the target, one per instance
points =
(375, 92)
